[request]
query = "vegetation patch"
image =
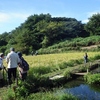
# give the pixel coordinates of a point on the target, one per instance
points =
(92, 78)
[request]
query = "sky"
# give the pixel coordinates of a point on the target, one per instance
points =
(14, 12)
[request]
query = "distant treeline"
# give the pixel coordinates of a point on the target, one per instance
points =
(42, 31)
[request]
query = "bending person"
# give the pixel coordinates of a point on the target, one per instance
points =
(22, 72)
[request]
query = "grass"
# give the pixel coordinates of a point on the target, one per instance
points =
(48, 65)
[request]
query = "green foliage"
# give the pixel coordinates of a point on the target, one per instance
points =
(10, 95)
(96, 57)
(92, 78)
(93, 26)
(48, 95)
(2, 48)
(82, 69)
(42, 70)
(67, 97)
(73, 44)
(67, 74)
(22, 89)
(40, 31)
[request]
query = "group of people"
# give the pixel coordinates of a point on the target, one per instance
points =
(13, 60)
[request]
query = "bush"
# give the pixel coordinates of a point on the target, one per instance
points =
(67, 97)
(67, 74)
(92, 78)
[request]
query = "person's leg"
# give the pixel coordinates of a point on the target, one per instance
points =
(1, 79)
(1, 76)
(24, 75)
(9, 76)
(14, 72)
(20, 75)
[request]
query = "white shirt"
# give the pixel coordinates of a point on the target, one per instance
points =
(12, 59)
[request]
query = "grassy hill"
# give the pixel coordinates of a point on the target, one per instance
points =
(91, 43)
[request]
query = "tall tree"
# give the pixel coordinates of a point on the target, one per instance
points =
(93, 26)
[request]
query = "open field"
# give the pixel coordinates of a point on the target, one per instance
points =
(55, 59)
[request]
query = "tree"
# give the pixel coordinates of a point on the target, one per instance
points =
(52, 33)
(41, 31)
(93, 26)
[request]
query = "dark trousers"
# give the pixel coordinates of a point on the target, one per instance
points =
(11, 74)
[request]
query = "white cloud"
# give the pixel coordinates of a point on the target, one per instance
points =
(85, 21)
(4, 17)
(19, 15)
(90, 14)
(7, 17)
(9, 21)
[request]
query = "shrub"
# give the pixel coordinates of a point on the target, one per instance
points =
(67, 74)
(10, 95)
(67, 97)
(92, 78)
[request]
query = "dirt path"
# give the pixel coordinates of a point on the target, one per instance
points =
(90, 47)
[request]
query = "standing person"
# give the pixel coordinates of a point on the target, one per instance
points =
(12, 60)
(36, 53)
(22, 72)
(1, 66)
(32, 53)
(85, 58)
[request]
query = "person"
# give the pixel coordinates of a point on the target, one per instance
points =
(12, 60)
(1, 67)
(32, 53)
(85, 58)
(22, 73)
(36, 53)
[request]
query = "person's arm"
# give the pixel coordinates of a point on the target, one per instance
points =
(19, 64)
(7, 59)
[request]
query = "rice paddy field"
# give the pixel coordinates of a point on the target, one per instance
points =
(55, 59)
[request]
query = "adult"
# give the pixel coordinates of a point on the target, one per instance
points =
(85, 58)
(12, 60)
(22, 73)
(1, 67)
